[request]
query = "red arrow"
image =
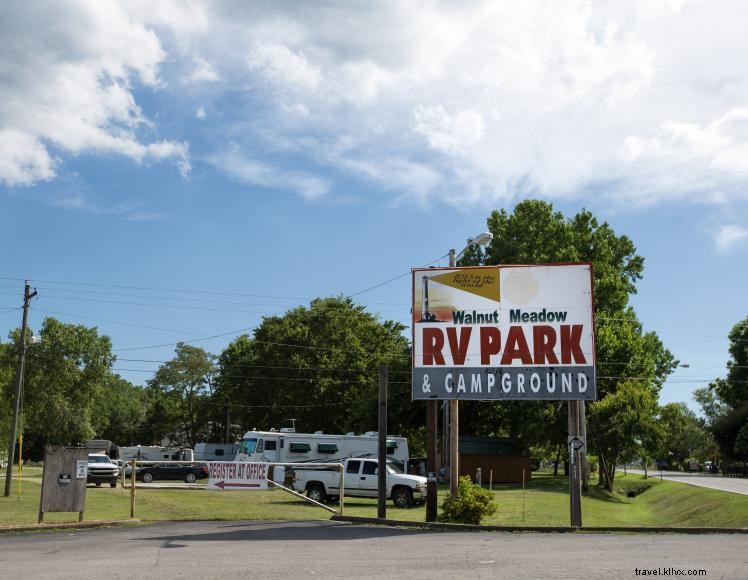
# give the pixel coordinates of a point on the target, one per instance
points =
(223, 484)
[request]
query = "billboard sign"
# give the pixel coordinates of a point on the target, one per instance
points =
(504, 333)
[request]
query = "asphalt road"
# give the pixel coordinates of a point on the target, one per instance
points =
(325, 549)
(713, 481)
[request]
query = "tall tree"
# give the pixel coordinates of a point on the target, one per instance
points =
(683, 435)
(123, 412)
(181, 389)
(64, 384)
(625, 426)
(535, 233)
(725, 401)
(318, 365)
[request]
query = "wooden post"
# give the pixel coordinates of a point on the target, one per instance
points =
(431, 419)
(132, 489)
(382, 476)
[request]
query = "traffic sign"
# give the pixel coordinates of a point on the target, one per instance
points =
(576, 442)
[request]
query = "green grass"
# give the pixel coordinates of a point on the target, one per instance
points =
(546, 503)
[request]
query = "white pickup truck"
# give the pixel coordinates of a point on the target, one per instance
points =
(361, 479)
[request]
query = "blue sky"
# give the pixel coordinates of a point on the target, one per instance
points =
(177, 171)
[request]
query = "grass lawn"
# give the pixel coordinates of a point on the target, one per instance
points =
(545, 501)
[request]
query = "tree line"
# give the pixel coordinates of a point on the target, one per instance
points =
(318, 366)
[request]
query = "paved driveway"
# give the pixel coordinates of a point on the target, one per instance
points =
(326, 549)
(714, 481)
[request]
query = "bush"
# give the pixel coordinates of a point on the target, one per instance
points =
(471, 504)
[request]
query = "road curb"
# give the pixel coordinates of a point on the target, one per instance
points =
(438, 526)
(67, 525)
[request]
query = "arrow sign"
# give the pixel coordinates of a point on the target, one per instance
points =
(223, 485)
(237, 475)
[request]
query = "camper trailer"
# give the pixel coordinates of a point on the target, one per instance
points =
(216, 451)
(156, 453)
(287, 446)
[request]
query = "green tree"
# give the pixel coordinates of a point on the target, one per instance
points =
(725, 401)
(64, 384)
(683, 435)
(181, 391)
(123, 412)
(318, 365)
(625, 426)
(535, 233)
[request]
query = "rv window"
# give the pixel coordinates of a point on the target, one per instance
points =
(219, 452)
(299, 448)
(327, 448)
(391, 446)
(249, 446)
(259, 446)
(353, 467)
(269, 445)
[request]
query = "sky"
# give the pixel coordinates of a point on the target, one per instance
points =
(175, 171)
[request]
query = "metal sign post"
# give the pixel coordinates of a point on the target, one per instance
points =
(576, 444)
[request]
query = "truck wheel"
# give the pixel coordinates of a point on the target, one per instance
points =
(317, 493)
(112, 484)
(147, 478)
(402, 497)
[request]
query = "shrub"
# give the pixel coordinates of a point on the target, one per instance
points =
(471, 504)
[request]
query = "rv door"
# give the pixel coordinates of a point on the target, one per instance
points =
(271, 450)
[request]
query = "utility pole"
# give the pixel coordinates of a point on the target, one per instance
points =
(454, 424)
(27, 296)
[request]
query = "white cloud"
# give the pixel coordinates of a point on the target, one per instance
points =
(66, 81)
(203, 71)
(23, 159)
(284, 68)
(253, 172)
(448, 133)
(466, 103)
(729, 236)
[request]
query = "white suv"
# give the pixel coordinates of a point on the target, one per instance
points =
(101, 469)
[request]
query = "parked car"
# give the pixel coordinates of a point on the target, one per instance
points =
(187, 472)
(101, 469)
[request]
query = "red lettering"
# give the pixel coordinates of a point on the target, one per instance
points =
(490, 343)
(433, 343)
(516, 347)
(459, 349)
(543, 342)
(571, 337)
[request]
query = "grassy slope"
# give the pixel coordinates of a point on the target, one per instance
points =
(546, 503)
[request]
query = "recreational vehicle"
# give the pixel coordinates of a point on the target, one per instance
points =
(287, 446)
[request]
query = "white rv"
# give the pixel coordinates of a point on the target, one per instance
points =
(156, 453)
(287, 446)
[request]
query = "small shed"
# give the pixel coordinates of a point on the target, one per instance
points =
(497, 455)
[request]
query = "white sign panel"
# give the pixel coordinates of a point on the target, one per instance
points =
(237, 475)
(504, 332)
(81, 469)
